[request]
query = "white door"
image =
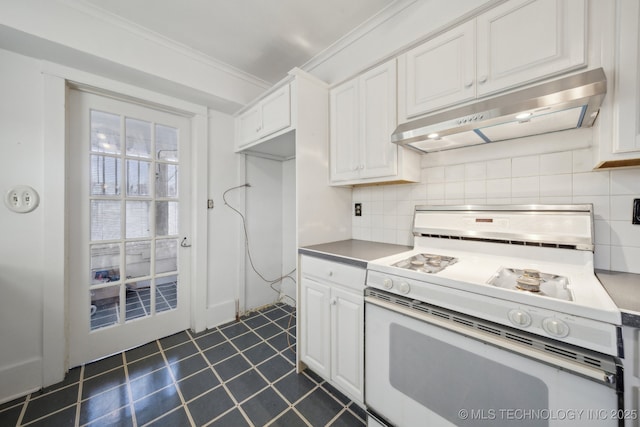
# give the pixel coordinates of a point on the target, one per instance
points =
(526, 40)
(344, 140)
(129, 216)
(378, 156)
(315, 325)
(440, 72)
(347, 349)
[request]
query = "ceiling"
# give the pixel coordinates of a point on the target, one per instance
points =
(264, 38)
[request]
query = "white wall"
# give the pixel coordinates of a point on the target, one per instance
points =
(264, 226)
(520, 171)
(22, 274)
(225, 226)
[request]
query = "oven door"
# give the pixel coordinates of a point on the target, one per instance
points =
(423, 371)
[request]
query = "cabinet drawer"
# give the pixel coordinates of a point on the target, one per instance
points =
(334, 272)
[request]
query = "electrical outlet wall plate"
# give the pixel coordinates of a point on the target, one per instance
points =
(22, 199)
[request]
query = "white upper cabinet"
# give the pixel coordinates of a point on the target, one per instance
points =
(525, 40)
(268, 116)
(377, 93)
(441, 71)
(628, 77)
(345, 162)
(515, 43)
(619, 141)
(362, 119)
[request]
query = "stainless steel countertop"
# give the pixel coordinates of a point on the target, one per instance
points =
(353, 252)
(624, 290)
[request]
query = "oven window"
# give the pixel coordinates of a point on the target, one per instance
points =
(445, 379)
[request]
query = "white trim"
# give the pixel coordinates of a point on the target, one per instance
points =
(221, 313)
(54, 343)
(23, 377)
(357, 33)
(104, 86)
(140, 31)
(199, 223)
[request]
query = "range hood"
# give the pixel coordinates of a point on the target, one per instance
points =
(567, 103)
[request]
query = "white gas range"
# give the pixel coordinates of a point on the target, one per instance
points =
(517, 277)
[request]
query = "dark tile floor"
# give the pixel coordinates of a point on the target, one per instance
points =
(240, 374)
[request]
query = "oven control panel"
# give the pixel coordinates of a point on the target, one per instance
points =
(580, 331)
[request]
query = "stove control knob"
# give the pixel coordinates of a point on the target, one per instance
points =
(520, 318)
(555, 327)
(404, 288)
(387, 283)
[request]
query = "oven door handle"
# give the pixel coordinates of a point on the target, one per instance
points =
(592, 373)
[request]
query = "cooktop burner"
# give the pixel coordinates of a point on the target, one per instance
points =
(427, 263)
(533, 281)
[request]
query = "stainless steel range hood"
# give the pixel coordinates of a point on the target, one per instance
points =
(567, 103)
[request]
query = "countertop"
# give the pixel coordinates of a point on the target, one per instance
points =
(353, 252)
(624, 290)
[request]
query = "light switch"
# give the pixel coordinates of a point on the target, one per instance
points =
(22, 199)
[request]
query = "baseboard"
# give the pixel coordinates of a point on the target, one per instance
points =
(220, 313)
(20, 379)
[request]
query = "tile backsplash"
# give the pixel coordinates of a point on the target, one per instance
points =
(562, 177)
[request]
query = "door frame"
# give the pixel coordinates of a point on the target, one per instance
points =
(56, 81)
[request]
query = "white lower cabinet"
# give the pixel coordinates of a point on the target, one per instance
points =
(331, 312)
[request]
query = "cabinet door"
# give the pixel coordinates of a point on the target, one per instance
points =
(276, 111)
(440, 72)
(249, 126)
(315, 322)
(347, 346)
(525, 40)
(378, 155)
(628, 76)
(344, 132)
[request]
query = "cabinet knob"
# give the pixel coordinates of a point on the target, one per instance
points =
(468, 83)
(334, 301)
(330, 273)
(483, 78)
(258, 129)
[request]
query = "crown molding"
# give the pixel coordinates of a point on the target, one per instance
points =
(357, 33)
(140, 31)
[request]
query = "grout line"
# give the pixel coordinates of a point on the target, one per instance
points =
(129, 390)
(175, 385)
(23, 410)
(79, 400)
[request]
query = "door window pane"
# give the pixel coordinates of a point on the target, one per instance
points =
(138, 136)
(166, 293)
(138, 300)
(105, 263)
(166, 180)
(105, 220)
(105, 175)
(166, 218)
(166, 143)
(105, 307)
(166, 255)
(138, 259)
(138, 219)
(105, 132)
(138, 178)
